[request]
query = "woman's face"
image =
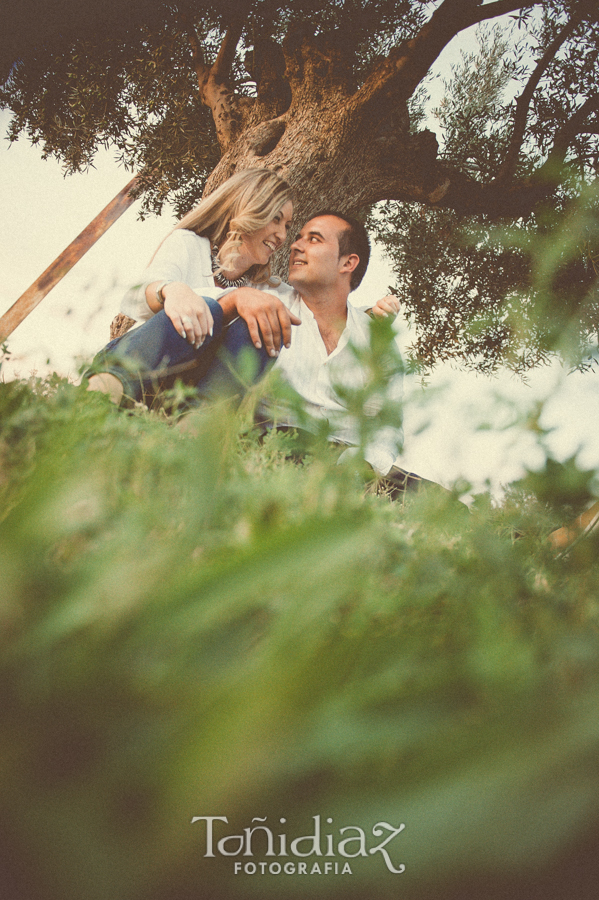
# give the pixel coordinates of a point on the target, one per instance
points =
(257, 248)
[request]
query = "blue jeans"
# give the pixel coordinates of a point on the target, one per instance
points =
(152, 357)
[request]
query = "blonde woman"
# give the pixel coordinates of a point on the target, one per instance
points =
(226, 242)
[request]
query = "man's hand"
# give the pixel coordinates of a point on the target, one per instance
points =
(386, 306)
(189, 313)
(264, 315)
(561, 539)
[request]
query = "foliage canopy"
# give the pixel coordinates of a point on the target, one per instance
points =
(337, 95)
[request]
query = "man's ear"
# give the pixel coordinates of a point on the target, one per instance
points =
(349, 263)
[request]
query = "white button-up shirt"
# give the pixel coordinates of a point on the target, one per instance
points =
(313, 373)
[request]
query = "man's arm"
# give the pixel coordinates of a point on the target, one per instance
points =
(561, 539)
(265, 315)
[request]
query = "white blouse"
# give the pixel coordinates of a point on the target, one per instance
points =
(183, 256)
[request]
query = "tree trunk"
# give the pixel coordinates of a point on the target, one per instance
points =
(333, 152)
(344, 147)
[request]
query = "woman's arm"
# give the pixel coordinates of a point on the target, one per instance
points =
(182, 257)
(188, 312)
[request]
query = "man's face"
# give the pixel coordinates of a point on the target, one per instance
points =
(314, 259)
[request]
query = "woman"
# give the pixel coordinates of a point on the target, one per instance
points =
(226, 241)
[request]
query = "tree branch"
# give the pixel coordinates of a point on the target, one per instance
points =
(519, 200)
(217, 92)
(500, 8)
(316, 59)
(226, 54)
(266, 65)
(197, 54)
(405, 67)
(409, 170)
(523, 102)
(564, 137)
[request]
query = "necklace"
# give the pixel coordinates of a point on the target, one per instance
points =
(220, 278)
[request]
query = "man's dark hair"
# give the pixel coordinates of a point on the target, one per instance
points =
(353, 239)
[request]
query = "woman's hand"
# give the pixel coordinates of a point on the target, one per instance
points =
(264, 315)
(189, 313)
(386, 306)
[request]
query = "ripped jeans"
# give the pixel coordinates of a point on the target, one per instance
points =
(152, 357)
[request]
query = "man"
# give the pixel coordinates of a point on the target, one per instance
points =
(328, 260)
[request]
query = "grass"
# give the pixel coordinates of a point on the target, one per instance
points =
(195, 625)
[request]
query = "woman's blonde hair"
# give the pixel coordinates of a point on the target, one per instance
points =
(246, 202)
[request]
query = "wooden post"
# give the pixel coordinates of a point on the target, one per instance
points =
(65, 262)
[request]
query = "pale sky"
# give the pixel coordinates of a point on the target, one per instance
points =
(43, 212)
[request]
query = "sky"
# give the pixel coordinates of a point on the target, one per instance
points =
(459, 426)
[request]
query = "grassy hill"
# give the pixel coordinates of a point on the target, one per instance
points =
(194, 625)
